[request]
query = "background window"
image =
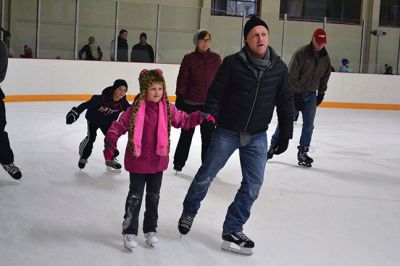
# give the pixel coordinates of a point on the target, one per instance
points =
(390, 13)
(234, 8)
(339, 11)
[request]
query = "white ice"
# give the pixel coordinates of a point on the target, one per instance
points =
(345, 210)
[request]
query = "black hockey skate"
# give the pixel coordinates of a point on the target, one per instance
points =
(238, 242)
(185, 224)
(113, 166)
(82, 163)
(12, 170)
(304, 159)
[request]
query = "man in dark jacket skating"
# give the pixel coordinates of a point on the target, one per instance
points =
(6, 153)
(309, 70)
(102, 110)
(242, 98)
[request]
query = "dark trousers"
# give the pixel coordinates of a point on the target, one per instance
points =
(185, 139)
(134, 201)
(6, 154)
(86, 145)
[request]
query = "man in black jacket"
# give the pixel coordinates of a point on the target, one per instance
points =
(242, 98)
(6, 153)
(309, 70)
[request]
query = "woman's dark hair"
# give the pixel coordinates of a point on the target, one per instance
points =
(204, 34)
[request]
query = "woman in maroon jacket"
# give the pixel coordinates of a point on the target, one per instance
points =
(196, 73)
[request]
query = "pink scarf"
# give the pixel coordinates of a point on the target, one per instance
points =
(162, 129)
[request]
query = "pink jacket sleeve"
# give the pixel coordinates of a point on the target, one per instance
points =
(117, 129)
(180, 119)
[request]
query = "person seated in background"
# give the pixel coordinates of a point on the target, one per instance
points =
(345, 66)
(142, 51)
(91, 51)
(27, 52)
(388, 70)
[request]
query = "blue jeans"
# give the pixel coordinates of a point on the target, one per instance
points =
(308, 115)
(253, 158)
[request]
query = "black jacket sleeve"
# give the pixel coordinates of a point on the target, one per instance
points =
(92, 103)
(284, 109)
(217, 89)
(3, 61)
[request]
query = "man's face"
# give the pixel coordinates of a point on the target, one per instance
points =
(257, 40)
(124, 35)
(143, 40)
(317, 47)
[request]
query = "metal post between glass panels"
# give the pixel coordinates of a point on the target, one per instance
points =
(116, 29)
(157, 31)
(283, 35)
(362, 46)
(398, 57)
(324, 23)
(38, 12)
(76, 29)
(1, 18)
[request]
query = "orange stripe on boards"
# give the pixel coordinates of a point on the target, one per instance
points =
(85, 97)
(369, 106)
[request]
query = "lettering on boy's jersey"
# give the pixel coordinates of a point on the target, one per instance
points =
(107, 111)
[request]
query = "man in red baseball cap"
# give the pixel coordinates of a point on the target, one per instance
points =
(309, 71)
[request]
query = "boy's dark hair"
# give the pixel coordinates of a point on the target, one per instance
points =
(122, 31)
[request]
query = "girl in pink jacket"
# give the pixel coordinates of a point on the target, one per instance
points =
(148, 122)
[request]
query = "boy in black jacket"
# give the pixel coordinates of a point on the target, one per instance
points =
(102, 110)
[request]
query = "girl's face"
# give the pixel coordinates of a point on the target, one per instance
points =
(119, 93)
(155, 92)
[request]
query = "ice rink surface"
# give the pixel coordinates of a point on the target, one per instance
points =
(345, 210)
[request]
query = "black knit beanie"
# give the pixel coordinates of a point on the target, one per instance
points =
(251, 23)
(119, 83)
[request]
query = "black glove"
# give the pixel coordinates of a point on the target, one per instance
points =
(320, 98)
(72, 116)
(281, 146)
(298, 101)
(180, 102)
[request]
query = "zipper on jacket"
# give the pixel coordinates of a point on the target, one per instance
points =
(260, 74)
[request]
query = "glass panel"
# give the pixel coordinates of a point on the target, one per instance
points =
(177, 25)
(226, 32)
(384, 49)
(96, 19)
(22, 26)
(138, 18)
(57, 26)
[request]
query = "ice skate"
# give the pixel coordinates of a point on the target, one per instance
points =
(113, 166)
(237, 242)
(130, 241)
(151, 238)
(185, 224)
(304, 159)
(82, 163)
(12, 170)
(177, 168)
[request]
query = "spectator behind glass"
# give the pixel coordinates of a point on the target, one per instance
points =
(122, 48)
(388, 70)
(27, 52)
(6, 40)
(142, 51)
(345, 66)
(91, 51)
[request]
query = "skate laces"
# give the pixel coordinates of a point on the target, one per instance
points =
(241, 236)
(186, 221)
(11, 168)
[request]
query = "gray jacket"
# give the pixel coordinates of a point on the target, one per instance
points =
(309, 72)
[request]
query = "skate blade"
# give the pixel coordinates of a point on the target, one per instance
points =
(232, 247)
(151, 244)
(304, 164)
(113, 170)
(130, 249)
